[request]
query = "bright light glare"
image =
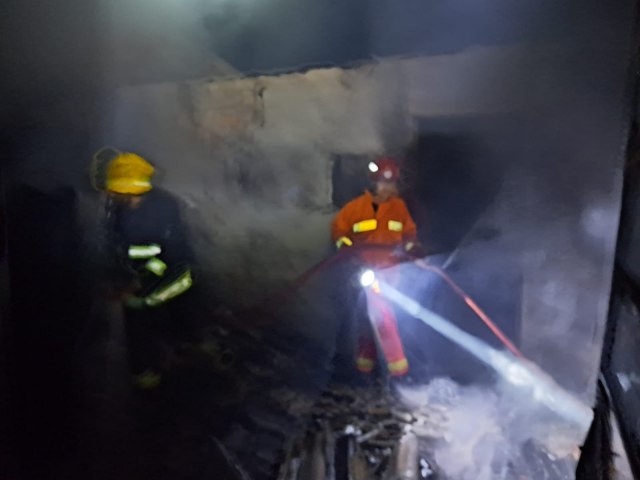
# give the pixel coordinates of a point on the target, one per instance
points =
(373, 168)
(367, 278)
(519, 373)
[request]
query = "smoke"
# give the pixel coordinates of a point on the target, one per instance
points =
(63, 59)
(151, 41)
(493, 433)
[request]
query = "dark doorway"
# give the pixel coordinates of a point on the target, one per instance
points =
(452, 177)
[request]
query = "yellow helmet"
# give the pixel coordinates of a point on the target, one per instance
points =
(122, 172)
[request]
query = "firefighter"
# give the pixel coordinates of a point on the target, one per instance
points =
(379, 217)
(152, 260)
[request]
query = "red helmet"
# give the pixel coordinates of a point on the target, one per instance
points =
(384, 169)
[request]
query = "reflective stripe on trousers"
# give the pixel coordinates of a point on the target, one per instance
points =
(365, 365)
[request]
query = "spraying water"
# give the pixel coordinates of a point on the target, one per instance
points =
(516, 371)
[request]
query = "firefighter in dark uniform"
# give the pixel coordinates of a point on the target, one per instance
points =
(152, 260)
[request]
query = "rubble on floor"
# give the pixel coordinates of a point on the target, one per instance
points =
(459, 433)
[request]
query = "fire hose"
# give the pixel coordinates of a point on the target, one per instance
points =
(283, 296)
(513, 367)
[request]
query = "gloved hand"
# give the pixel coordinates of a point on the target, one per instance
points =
(416, 250)
(134, 302)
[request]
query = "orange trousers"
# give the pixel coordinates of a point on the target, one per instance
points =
(381, 328)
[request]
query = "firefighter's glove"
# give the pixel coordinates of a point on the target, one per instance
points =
(415, 250)
(135, 303)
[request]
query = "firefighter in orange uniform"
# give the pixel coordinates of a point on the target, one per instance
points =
(381, 218)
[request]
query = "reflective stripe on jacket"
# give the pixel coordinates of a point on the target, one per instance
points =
(164, 289)
(150, 243)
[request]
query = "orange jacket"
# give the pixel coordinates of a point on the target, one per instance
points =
(358, 223)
